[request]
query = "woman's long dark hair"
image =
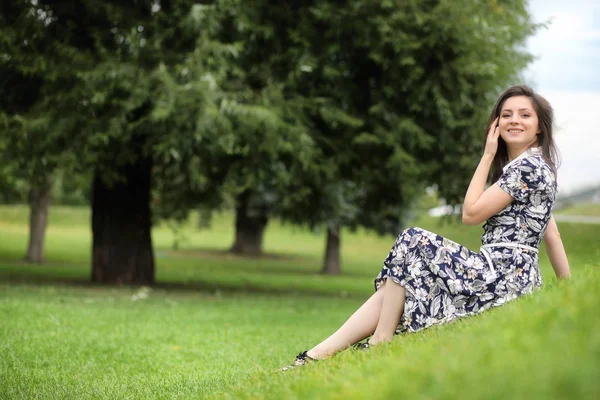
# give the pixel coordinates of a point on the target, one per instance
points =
(545, 116)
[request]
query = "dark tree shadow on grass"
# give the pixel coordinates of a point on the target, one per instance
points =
(18, 272)
(270, 263)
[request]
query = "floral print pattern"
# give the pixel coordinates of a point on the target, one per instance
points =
(445, 280)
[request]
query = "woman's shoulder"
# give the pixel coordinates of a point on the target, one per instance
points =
(529, 172)
(539, 162)
(539, 173)
(532, 162)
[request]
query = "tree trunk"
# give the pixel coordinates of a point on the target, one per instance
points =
(121, 222)
(249, 227)
(39, 203)
(331, 264)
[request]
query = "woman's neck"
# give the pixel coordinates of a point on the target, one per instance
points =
(516, 151)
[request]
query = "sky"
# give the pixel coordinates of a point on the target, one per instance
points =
(567, 73)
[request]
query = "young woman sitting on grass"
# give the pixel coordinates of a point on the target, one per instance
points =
(428, 279)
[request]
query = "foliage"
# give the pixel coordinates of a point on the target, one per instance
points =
(111, 82)
(396, 93)
(160, 79)
(328, 112)
(262, 142)
(12, 189)
(384, 99)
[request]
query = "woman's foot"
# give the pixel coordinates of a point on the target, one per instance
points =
(376, 340)
(301, 359)
(362, 346)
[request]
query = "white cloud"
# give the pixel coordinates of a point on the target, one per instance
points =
(577, 137)
(568, 50)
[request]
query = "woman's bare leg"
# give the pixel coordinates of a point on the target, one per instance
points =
(360, 325)
(391, 311)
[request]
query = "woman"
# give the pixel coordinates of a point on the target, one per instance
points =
(429, 280)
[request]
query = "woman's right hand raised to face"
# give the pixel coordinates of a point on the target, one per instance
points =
(491, 144)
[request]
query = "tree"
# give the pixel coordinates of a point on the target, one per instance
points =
(151, 93)
(119, 83)
(264, 140)
(394, 95)
(26, 139)
(320, 112)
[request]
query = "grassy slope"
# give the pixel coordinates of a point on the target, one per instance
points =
(86, 341)
(544, 347)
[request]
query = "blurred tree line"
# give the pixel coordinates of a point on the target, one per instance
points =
(320, 113)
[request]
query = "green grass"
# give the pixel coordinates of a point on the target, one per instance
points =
(81, 342)
(586, 209)
(218, 325)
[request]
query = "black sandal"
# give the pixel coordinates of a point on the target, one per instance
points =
(301, 359)
(361, 346)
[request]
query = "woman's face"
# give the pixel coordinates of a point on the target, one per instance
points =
(518, 122)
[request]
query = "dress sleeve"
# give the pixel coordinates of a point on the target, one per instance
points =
(521, 179)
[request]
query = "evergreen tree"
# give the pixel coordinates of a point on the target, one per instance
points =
(398, 93)
(120, 89)
(393, 95)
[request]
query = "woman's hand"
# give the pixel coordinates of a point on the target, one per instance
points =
(491, 144)
(481, 203)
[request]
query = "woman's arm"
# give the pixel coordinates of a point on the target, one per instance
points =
(556, 250)
(480, 204)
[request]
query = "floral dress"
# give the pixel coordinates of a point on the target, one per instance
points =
(445, 280)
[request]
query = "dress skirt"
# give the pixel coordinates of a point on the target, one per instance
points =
(445, 280)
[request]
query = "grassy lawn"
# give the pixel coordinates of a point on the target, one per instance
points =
(217, 325)
(586, 209)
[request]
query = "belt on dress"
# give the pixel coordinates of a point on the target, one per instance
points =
(486, 254)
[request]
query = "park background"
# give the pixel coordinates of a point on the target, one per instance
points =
(192, 194)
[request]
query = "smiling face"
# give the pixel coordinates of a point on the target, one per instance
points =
(521, 113)
(519, 123)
